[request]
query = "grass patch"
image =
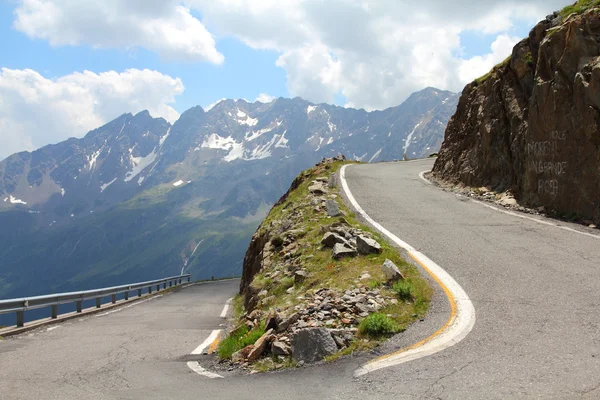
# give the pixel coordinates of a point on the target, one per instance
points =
(485, 77)
(578, 8)
(377, 325)
(404, 290)
(239, 339)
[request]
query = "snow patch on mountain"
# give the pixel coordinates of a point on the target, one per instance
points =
(376, 155)
(14, 200)
(214, 141)
(237, 151)
(283, 142)
(310, 109)
(92, 159)
(162, 139)
(140, 163)
(245, 119)
(103, 187)
(409, 138)
(250, 136)
(178, 183)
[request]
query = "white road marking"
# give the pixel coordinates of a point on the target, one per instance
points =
(207, 342)
(456, 330)
(195, 366)
(422, 176)
(52, 328)
(522, 216)
(226, 308)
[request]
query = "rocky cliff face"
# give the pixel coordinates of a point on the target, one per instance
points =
(531, 125)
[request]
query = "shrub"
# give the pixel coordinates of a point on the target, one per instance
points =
(277, 241)
(404, 290)
(378, 324)
(239, 339)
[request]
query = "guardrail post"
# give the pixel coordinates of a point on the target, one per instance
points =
(150, 290)
(139, 292)
(79, 306)
(114, 298)
(189, 278)
(158, 288)
(126, 295)
(54, 314)
(20, 319)
(98, 302)
(180, 281)
(170, 283)
(165, 285)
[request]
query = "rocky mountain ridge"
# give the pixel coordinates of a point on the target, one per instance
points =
(139, 198)
(531, 126)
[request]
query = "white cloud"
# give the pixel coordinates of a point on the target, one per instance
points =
(480, 65)
(162, 26)
(36, 110)
(265, 98)
(374, 52)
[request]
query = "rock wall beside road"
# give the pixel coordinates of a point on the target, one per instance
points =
(531, 126)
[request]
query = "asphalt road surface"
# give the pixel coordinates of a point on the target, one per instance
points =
(535, 288)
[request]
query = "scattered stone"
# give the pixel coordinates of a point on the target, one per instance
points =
(272, 321)
(245, 352)
(318, 188)
(332, 181)
(365, 276)
(300, 276)
(287, 323)
(330, 239)
(280, 349)
(367, 246)
(237, 357)
(341, 251)
(262, 293)
(312, 345)
(507, 200)
(391, 271)
(333, 208)
(259, 346)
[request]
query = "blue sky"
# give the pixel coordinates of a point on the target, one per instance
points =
(167, 55)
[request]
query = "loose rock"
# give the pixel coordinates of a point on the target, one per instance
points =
(259, 346)
(391, 271)
(312, 345)
(330, 239)
(341, 251)
(367, 246)
(333, 209)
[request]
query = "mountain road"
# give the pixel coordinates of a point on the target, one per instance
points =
(535, 289)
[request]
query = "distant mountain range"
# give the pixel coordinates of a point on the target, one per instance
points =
(140, 198)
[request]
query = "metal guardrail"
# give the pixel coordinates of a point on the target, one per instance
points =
(53, 300)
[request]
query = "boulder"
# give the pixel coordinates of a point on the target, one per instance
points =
(341, 251)
(312, 345)
(366, 245)
(259, 346)
(333, 208)
(330, 239)
(391, 271)
(332, 182)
